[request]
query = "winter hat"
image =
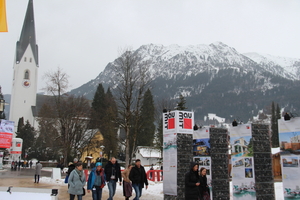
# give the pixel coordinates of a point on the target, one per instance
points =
(98, 164)
(75, 160)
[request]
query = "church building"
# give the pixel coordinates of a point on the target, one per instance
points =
(25, 75)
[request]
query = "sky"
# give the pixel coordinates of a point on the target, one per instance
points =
(82, 37)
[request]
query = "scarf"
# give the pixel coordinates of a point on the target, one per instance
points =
(80, 173)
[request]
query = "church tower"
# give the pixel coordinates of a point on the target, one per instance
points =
(24, 86)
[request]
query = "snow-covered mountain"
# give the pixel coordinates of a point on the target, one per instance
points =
(282, 66)
(213, 78)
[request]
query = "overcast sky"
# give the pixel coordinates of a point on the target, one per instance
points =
(82, 37)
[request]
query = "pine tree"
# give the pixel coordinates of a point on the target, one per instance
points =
(181, 103)
(159, 136)
(109, 125)
(98, 107)
(146, 133)
(27, 133)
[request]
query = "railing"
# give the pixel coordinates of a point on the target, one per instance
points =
(156, 175)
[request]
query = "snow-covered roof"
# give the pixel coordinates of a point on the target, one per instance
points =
(148, 152)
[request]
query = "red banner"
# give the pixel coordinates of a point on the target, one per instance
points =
(5, 140)
(15, 152)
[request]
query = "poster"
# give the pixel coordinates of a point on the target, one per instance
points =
(201, 152)
(289, 141)
(6, 133)
(243, 175)
(170, 164)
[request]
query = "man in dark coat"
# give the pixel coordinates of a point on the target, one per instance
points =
(112, 172)
(192, 183)
(138, 177)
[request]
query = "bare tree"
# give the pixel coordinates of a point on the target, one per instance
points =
(133, 81)
(71, 115)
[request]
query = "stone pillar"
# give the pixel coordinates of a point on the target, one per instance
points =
(184, 158)
(219, 163)
(263, 162)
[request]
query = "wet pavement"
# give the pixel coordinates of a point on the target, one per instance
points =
(25, 178)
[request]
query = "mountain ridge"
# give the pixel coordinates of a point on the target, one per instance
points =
(196, 70)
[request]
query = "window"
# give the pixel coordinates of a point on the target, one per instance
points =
(26, 74)
(25, 59)
(30, 60)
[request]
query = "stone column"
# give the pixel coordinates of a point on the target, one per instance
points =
(219, 163)
(263, 162)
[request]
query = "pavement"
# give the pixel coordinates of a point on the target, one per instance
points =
(24, 177)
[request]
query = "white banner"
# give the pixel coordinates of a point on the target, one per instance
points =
(201, 152)
(289, 141)
(170, 164)
(243, 176)
(7, 126)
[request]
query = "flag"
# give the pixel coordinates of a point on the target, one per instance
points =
(3, 23)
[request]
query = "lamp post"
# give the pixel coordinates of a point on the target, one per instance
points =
(101, 153)
(2, 106)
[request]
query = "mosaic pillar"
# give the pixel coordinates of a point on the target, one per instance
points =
(219, 163)
(263, 162)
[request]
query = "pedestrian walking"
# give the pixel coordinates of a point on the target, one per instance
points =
(38, 169)
(77, 181)
(127, 186)
(192, 183)
(112, 172)
(71, 167)
(151, 173)
(138, 177)
(96, 181)
(30, 164)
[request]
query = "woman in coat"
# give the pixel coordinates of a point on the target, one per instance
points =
(204, 189)
(38, 169)
(76, 181)
(127, 187)
(96, 181)
(192, 183)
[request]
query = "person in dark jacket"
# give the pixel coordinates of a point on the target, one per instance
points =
(192, 183)
(112, 172)
(204, 189)
(96, 181)
(138, 177)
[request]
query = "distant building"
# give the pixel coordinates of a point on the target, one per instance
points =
(148, 155)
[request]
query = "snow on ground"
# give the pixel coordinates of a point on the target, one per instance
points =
(155, 189)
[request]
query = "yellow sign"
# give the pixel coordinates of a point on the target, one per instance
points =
(3, 23)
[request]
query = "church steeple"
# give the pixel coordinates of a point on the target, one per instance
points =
(27, 36)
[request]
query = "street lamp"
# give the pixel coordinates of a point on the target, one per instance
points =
(101, 153)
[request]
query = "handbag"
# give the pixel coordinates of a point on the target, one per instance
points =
(67, 179)
(206, 196)
(83, 191)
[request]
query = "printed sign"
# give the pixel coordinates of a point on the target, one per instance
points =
(170, 164)
(178, 122)
(243, 176)
(201, 152)
(289, 141)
